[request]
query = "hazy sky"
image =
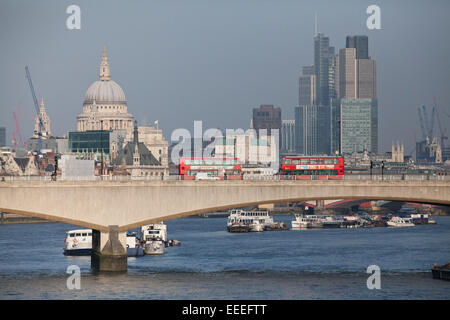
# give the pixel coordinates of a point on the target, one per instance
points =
(214, 60)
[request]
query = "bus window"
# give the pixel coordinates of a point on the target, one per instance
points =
(329, 161)
(336, 161)
(314, 161)
(295, 161)
(304, 161)
(287, 161)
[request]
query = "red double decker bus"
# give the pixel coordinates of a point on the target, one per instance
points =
(210, 169)
(307, 168)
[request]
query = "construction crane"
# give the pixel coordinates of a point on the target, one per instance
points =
(36, 105)
(442, 132)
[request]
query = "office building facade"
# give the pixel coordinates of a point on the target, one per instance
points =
(288, 136)
(312, 130)
(361, 44)
(359, 125)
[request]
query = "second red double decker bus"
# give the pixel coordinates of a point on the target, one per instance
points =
(210, 169)
(312, 167)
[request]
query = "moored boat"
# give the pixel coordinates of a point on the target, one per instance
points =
(441, 272)
(398, 222)
(276, 226)
(248, 221)
(300, 222)
(78, 242)
(154, 246)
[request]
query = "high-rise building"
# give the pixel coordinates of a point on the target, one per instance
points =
(312, 130)
(308, 70)
(361, 44)
(322, 52)
(307, 90)
(266, 117)
(366, 76)
(2, 136)
(356, 110)
(359, 125)
(288, 136)
(347, 73)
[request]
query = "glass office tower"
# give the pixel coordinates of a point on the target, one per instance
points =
(359, 125)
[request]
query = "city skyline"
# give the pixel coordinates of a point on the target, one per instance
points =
(194, 83)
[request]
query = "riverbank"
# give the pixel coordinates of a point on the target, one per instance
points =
(13, 218)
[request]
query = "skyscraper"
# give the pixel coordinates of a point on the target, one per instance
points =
(366, 78)
(312, 130)
(287, 136)
(266, 117)
(356, 78)
(355, 112)
(307, 90)
(361, 44)
(321, 54)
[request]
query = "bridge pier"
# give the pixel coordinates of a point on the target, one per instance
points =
(109, 251)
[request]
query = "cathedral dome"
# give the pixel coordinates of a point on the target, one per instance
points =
(105, 90)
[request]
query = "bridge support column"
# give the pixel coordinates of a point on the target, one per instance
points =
(320, 204)
(109, 250)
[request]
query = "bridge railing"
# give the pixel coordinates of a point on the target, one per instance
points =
(411, 177)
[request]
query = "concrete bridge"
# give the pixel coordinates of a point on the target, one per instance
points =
(111, 208)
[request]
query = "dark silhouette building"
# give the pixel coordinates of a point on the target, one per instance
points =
(361, 44)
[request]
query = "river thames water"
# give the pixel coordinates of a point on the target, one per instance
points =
(214, 264)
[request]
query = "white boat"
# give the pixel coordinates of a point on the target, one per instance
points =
(300, 222)
(154, 237)
(154, 246)
(256, 226)
(399, 222)
(78, 242)
(245, 221)
(155, 230)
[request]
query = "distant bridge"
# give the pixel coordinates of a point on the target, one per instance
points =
(113, 207)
